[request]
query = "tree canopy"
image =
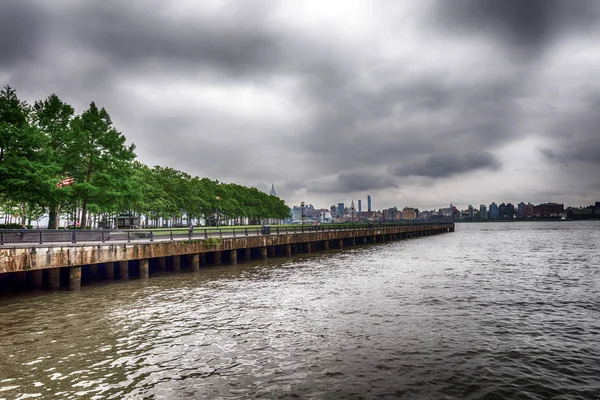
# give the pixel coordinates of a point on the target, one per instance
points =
(56, 162)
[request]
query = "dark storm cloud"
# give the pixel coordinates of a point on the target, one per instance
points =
(235, 39)
(353, 182)
(445, 165)
(21, 32)
(527, 27)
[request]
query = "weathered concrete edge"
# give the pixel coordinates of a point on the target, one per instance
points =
(32, 258)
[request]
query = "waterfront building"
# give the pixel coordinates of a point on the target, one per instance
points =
(409, 213)
(340, 209)
(333, 210)
(470, 212)
(521, 210)
(359, 206)
(529, 209)
(493, 213)
(548, 210)
(482, 211)
(369, 203)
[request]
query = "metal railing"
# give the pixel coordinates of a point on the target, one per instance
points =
(99, 236)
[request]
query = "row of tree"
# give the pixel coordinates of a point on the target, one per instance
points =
(55, 162)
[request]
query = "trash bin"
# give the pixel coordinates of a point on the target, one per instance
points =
(265, 230)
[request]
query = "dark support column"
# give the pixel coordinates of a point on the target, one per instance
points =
(218, 258)
(54, 278)
(308, 247)
(271, 251)
(195, 262)
(326, 245)
(353, 241)
(263, 253)
(288, 250)
(341, 243)
(176, 263)
(93, 269)
(162, 264)
(109, 269)
(364, 240)
(232, 257)
(21, 278)
(248, 253)
(75, 278)
(124, 269)
(144, 269)
(202, 258)
(374, 237)
(36, 278)
(294, 248)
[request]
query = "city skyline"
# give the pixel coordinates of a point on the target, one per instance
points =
(414, 102)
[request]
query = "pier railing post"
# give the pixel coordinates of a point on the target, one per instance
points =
(205, 234)
(73, 237)
(40, 237)
(151, 236)
(171, 231)
(128, 238)
(103, 238)
(246, 231)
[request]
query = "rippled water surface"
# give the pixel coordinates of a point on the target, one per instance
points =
(490, 311)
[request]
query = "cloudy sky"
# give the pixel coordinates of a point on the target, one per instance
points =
(418, 103)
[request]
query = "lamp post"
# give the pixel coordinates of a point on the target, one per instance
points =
(302, 205)
(352, 213)
(218, 199)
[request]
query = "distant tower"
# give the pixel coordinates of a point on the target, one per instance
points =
(359, 206)
(369, 202)
(273, 192)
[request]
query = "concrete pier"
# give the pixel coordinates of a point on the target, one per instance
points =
(195, 263)
(162, 264)
(109, 270)
(54, 278)
(144, 269)
(176, 263)
(75, 278)
(124, 269)
(27, 263)
(37, 278)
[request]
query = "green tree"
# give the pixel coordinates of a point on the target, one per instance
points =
(26, 172)
(99, 159)
(53, 118)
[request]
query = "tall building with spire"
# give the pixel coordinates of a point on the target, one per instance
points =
(273, 192)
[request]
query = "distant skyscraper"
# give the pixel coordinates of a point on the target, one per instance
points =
(482, 211)
(359, 206)
(369, 203)
(470, 211)
(494, 211)
(273, 192)
(340, 210)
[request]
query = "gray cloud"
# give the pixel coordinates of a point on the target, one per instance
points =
(352, 183)
(21, 30)
(238, 92)
(526, 27)
(445, 165)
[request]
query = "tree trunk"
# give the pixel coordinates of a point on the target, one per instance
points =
(53, 216)
(83, 214)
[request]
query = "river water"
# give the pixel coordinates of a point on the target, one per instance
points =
(502, 310)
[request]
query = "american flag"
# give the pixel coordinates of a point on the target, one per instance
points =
(66, 181)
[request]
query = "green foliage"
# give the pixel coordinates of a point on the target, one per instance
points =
(211, 242)
(43, 144)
